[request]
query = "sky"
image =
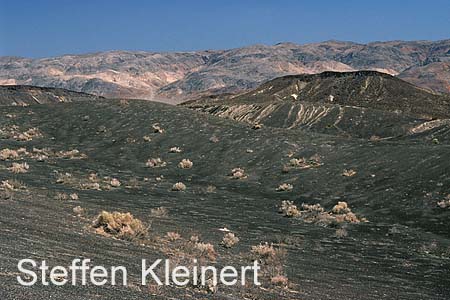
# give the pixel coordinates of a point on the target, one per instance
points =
(51, 28)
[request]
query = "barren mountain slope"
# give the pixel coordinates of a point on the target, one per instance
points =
(435, 76)
(179, 76)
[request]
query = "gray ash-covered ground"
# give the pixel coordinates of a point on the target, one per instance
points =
(403, 252)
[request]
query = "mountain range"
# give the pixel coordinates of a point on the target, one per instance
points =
(178, 76)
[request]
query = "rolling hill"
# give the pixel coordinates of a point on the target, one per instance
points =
(361, 104)
(23, 95)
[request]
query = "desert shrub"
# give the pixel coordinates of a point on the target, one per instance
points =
(12, 185)
(238, 173)
(315, 213)
(157, 128)
(279, 280)
(173, 236)
(214, 139)
(445, 202)
(210, 189)
(114, 182)
(120, 225)
(90, 186)
(303, 163)
(267, 254)
(175, 150)
(289, 209)
(61, 196)
(155, 163)
(341, 233)
(78, 210)
(28, 135)
(194, 239)
(348, 173)
(185, 164)
(207, 250)
(64, 178)
(70, 154)
(6, 194)
(93, 177)
(179, 187)
(159, 212)
(132, 183)
(8, 154)
(285, 187)
(18, 168)
(342, 213)
(341, 208)
(264, 251)
(229, 240)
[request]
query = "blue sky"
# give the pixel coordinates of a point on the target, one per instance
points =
(50, 28)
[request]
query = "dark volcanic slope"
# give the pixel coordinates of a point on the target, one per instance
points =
(26, 95)
(402, 253)
(361, 103)
(178, 76)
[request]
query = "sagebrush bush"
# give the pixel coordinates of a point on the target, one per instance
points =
(155, 163)
(173, 236)
(64, 178)
(289, 209)
(179, 186)
(157, 128)
(78, 210)
(175, 150)
(115, 182)
(8, 154)
(445, 202)
(207, 250)
(185, 164)
(264, 251)
(18, 168)
(341, 233)
(229, 240)
(159, 212)
(285, 187)
(12, 185)
(279, 280)
(303, 163)
(120, 225)
(348, 173)
(238, 173)
(315, 213)
(28, 135)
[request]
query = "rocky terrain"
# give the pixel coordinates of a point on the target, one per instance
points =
(344, 216)
(174, 77)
